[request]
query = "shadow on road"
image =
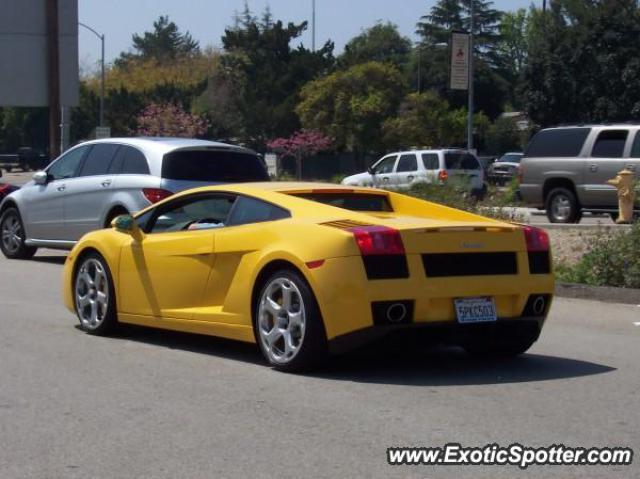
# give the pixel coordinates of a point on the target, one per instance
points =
(58, 259)
(393, 364)
(452, 367)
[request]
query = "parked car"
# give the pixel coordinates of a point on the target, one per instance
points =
(302, 269)
(6, 188)
(565, 169)
(504, 169)
(92, 183)
(403, 169)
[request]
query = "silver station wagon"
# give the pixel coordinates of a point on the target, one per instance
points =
(89, 185)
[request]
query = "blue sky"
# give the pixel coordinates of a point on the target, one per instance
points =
(338, 20)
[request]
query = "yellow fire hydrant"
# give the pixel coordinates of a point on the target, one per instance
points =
(625, 184)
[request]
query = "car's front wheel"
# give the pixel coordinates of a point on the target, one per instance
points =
(13, 237)
(288, 324)
(94, 295)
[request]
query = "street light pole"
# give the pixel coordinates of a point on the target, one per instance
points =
(101, 37)
(313, 25)
(470, 85)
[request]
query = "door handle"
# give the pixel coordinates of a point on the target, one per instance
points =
(410, 177)
(631, 167)
(62, 187)
(385, 178)
(593, 168)
(106, 183)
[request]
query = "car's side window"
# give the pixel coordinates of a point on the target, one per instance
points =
(98, 160)
(194, 213)
(385, 165)
(250, 210)
(610, 144)
(469, 162)
(635, 148)
(430, 161)
(407, 163)
(67, 165)
(134, 162)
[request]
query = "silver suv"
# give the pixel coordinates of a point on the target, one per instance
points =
(565, 169)
(92, 183)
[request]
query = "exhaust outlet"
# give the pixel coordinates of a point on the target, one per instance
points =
(538, 305)
(396, 313)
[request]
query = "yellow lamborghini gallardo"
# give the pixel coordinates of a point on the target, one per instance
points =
(303, 269)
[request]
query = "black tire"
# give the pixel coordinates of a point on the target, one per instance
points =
(312, 347)
(14, 246)
(492, 347)
(560, 199)
(106, 318)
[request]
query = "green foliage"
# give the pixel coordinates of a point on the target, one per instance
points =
(350, 106)
(265, 74)
(380, 43)
(503, 135)
(584, 62)
(456, 195)
(164, 43)
(23, 127)
(426, 120)
(612, 260)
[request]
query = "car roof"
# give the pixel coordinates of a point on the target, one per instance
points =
(162, 145)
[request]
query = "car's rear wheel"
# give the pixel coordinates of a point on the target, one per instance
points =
(94, 295)
(13, 237)
(562, 206)
(288, 324)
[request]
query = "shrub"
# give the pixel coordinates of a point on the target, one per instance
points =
(613, 260)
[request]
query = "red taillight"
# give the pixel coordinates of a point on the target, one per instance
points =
(443, 175)
(4, 188)
(378, 240)
(537, 239)
(155, 194)
(519, 173)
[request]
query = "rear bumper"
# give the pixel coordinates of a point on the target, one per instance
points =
(532, 194)
(345, 294)
(449, 332)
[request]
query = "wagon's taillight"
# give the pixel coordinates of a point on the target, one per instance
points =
(443, 175)
(155, 194)
(378, 240)
(537, 239)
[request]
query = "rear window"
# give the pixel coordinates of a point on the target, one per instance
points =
(350, 201)
(213, 166)
(610, 144)
(563, 142)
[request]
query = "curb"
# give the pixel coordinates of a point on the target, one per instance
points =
(607, 294)
(579, 227)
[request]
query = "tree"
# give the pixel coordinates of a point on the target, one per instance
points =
(426, 120)
(169, 120)
(511, 50)
(444, 17)
(267, 74)
(380, 43)
(350, 106)
(302, 144)
(164, 43)
(583, 62)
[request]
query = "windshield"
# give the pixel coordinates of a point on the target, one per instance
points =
(511, 158)
(213, 166)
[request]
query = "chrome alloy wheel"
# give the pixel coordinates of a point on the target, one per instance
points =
(92, 293)
(561, 207)
(11, 234)
(281, 320)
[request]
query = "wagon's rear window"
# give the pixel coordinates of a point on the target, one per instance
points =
(216, 166)
(350, 201)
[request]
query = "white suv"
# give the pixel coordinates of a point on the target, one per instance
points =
(403, 169)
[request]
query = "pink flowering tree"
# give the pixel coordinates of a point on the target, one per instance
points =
(169, 119)
(302, 144)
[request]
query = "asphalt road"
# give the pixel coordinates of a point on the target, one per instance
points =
(157, 404)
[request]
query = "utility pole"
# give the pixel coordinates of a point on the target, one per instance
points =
(53, 58)
(101, 37)
(470, 86)
(313, 25)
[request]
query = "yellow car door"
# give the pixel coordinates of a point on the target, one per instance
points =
(165, 273)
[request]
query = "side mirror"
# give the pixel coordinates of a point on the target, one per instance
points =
(370, 170)
(123, 224)
(40, 177)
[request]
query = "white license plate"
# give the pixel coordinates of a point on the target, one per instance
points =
(475, 310)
